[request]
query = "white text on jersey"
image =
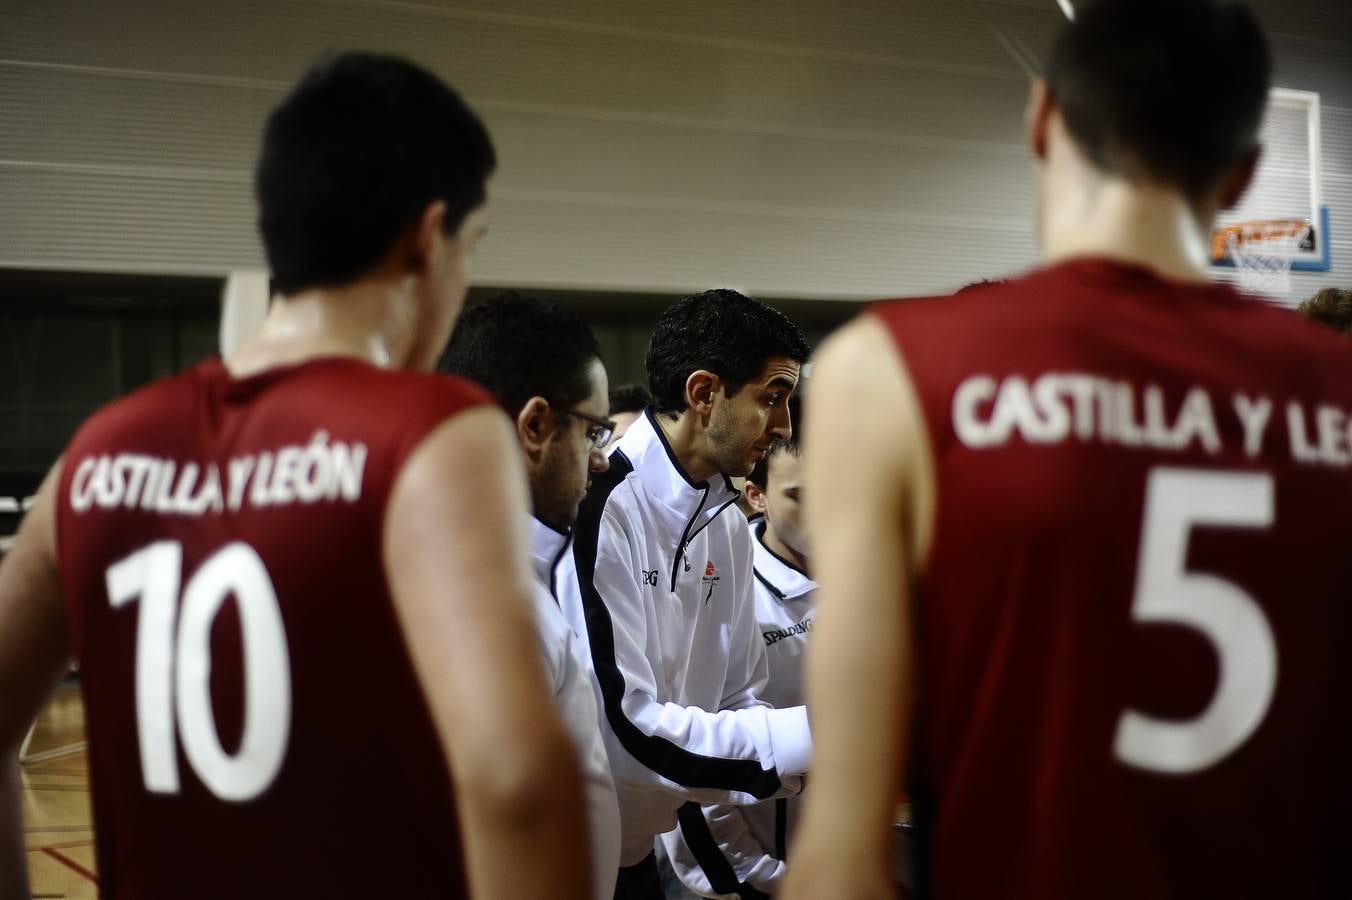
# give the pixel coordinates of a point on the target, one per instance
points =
(321, 471)
(1053, 407)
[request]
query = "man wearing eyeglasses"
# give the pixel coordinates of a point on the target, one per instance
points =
(542, 366)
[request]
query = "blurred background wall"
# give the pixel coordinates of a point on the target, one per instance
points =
(813, 154)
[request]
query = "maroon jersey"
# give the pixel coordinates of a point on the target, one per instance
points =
(256, 725)
(1133, 616)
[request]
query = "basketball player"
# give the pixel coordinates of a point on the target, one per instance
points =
(661, 584)
(742, 850)
(543, 367)
(295, 579)
(1330, 306)
(1089, 553)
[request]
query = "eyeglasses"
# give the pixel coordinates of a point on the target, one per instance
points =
(600, 431)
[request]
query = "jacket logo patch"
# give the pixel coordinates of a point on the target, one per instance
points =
(711, 579)
(779, 634)
(649, 577)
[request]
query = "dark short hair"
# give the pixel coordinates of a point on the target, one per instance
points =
(760, 473)
(1332, 307)
(1171, 91)
(629, 398)
(983, 283)
(352, 156)
(720, 331)
(518, 347)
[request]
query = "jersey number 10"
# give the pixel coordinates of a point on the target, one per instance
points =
(173, 667)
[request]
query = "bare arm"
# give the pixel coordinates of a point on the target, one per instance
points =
(868, 522)
(457, 559)
(34, 653)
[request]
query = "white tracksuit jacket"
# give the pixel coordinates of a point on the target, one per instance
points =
(722, 850)
(662, 589)
(568, 667)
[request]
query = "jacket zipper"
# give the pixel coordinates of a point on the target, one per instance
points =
(682, 550)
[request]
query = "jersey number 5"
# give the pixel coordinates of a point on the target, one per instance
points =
(173, 667)
(1175, 501)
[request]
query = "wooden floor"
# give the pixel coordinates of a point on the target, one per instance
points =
(59, 832)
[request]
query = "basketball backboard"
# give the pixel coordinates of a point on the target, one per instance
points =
(1289, 181)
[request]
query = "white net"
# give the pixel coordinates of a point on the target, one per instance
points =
(1263, 253)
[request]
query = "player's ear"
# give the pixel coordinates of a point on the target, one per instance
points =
(699, 391)
(535, 423)
(755, 497)
(428, 235)
(1037, 117)
(1236, 182)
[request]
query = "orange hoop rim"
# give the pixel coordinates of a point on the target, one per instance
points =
(1253, 231)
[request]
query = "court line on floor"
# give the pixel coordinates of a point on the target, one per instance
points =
(70, 864)
(68, 845)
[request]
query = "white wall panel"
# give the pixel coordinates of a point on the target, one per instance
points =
(923, 183)
(80, 116)
(125, 221)
(630, 247)
(791, 147)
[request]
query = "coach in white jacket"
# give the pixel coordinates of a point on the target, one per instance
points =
(740, 851)
(663, 581)
(543, 367)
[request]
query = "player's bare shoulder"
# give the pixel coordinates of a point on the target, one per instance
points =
(867, 407)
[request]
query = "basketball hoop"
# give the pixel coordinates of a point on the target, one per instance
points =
(1262, 252)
